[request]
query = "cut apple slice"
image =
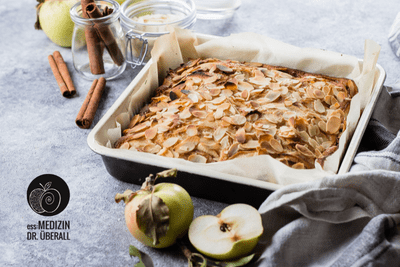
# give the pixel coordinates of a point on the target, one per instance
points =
(231, 234)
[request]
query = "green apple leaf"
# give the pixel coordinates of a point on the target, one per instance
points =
(126, 196)
(153, 217)
(144, 259)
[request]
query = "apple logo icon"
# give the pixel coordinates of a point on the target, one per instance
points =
(48, 195)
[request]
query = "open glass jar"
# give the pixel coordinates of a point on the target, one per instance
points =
(98, 42)
(143, 21)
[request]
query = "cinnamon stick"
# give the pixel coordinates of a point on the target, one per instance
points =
(105, 34)
(89, 107)
(93, 43)
(61, 73)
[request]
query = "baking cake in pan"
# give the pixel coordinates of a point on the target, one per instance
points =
(211, 110)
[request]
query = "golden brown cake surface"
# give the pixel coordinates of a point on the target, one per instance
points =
(210, 110)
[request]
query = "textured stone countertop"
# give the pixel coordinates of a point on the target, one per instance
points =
(38, 133)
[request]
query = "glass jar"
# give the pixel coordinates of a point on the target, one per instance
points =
(146, 20)
(98, 43)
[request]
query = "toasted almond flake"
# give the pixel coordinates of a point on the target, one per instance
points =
(286, 132)
(199, 113)
(241, 135)
(187, 145)
(304, 136)
(224, 68)
(140, 127)
(245, 94)
(219, 133)
(238, 120)
(276, 145)
(260, 80)
(328, 99)
(251, 144)
(318, 106)
(191, 130)
(313, 143)
(136, 136)
(215, 91)
(333, 125)
(313, 130)
(244, 86)
(298, 166)
(318, 94)
(304, 150)
(170, 142)
(197, 158)
(193, 97)
(219, 113)
(185, 114)
(322, 126)
(151, 133)
(152, 148)
(134, 120)
(218, 100)
(125, 146)
(233, 149)
(273, 95)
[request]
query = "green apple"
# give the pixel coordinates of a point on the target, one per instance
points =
(157, 215)
(55, 21)
(231, 234)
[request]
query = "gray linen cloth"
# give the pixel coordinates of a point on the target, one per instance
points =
(341, 220)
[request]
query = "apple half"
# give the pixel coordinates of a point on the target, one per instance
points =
(231, 234)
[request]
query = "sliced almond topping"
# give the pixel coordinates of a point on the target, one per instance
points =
(238, 120)
(151, 133)
(191, 130)
(170, 142)
(273, 95)
(187, 145)
(185, 114)
(318, 106)
(215, 91)
(251, 144)
(276, 145)
(197, 158)
(198, 113)
(125, 146)
(152, 148)
(241, 135)
(233, 149)
(304, 150)
(298, 165)
(219, 133)
(333, 125)
(224, 68)
(244, 86)
(318, 94)
(322, 126)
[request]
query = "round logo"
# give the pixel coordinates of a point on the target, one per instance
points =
(48, 195)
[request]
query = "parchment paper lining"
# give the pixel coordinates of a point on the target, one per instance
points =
(180, 45)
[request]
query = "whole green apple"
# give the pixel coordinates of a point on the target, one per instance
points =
(55, 21)
(157, 215)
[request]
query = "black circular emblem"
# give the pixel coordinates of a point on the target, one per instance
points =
(48, 195)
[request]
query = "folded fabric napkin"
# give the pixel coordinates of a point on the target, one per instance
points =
(341, 220)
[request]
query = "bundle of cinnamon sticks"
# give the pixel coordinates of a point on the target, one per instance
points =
(99, 36)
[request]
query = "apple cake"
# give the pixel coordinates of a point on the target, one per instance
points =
(211, 110)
